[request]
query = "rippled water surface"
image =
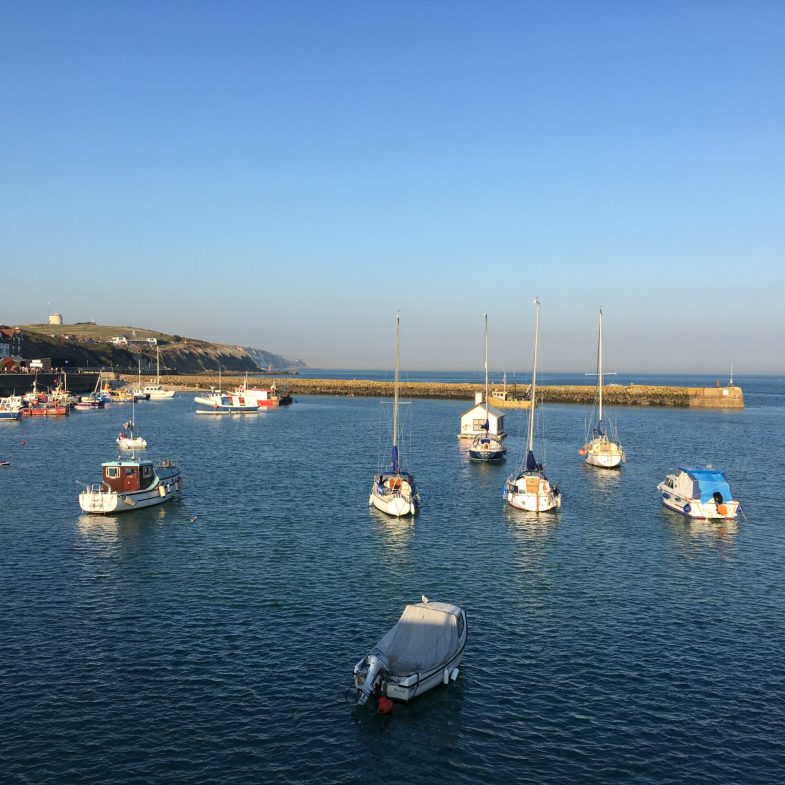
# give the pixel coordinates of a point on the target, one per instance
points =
(212, 640)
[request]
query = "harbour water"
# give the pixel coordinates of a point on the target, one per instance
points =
(213, 639)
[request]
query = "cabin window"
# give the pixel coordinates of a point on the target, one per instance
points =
(112, 473)
(130, 472)
(460, 626)
(147, 471)
(479, 425)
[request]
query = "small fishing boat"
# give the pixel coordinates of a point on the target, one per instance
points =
(422, 650)
(45, 410)
(226, 403)
(131, 484)
(487, 447)
(94, 400)
(602, 450)
(264, 397)
(9, 413)
(530, 489)
(701, 493)
(393, 491)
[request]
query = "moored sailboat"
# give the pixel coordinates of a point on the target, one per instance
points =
(487, 447)
(131, 440)
(530, 489)
(393, 491)
(601, 449)
(156, 392)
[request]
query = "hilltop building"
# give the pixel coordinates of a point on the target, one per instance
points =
(56, 318)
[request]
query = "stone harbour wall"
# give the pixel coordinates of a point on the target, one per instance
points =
(613, 395)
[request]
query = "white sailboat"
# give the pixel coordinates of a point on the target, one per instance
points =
(131, 440)
(601, 449)
(487, 447)
(155, 392)
(393, 492)
(530, 489)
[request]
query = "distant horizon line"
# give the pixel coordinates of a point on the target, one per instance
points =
(588, 374)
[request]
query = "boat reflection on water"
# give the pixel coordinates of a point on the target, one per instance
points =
(119, 528)
(689, 531)
(531, 526)
(602, 479)
(395, 534)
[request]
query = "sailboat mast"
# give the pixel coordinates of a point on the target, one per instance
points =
(534, 377)
(395, 394)
(599, 375)
(486, 370)
(157, 365)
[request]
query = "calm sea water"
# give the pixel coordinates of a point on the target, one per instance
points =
(212, 640)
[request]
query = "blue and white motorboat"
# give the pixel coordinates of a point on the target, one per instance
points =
(701, 493)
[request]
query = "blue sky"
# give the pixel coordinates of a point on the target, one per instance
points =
(289, 175)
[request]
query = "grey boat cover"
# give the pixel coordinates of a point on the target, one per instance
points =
(425, 637)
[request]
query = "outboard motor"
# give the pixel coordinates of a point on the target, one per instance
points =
(376, 665)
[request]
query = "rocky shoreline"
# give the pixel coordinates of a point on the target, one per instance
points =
(613, 395)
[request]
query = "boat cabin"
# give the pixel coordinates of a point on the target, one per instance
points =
(706, 485)
(473, 421)
(125, 476)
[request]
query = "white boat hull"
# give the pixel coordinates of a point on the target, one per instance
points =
(695, 508)
(137, 443)
(407, 686)
(161, 395)
(603, 453)
(99, 501)
(396, 504)
(533, 493)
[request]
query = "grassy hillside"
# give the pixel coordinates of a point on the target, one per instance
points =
(90, 345)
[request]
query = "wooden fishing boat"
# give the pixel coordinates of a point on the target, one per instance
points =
(131, 484)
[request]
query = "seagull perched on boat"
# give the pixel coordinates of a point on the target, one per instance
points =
(425, 599)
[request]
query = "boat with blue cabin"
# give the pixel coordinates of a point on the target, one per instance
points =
(701, 493)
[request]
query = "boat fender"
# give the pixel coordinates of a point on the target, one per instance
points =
(446, 676)
(385, 705)
(687, 508)
(161, 490)
(582, 451)
(722, 509)
(454, 674)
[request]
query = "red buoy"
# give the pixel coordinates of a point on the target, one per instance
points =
(385, 705)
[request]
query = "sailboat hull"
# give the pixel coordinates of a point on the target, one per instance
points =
(487, 449)
(604, 454)
(394, 495)
(533, 493)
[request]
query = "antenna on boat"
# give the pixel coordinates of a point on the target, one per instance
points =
(731, 376)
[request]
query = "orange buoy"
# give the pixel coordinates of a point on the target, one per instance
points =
(581, 451)
(385, 705)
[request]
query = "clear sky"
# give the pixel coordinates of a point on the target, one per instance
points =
(288, 175)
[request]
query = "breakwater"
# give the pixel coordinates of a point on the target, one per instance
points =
(20, 383)
(613, 395)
